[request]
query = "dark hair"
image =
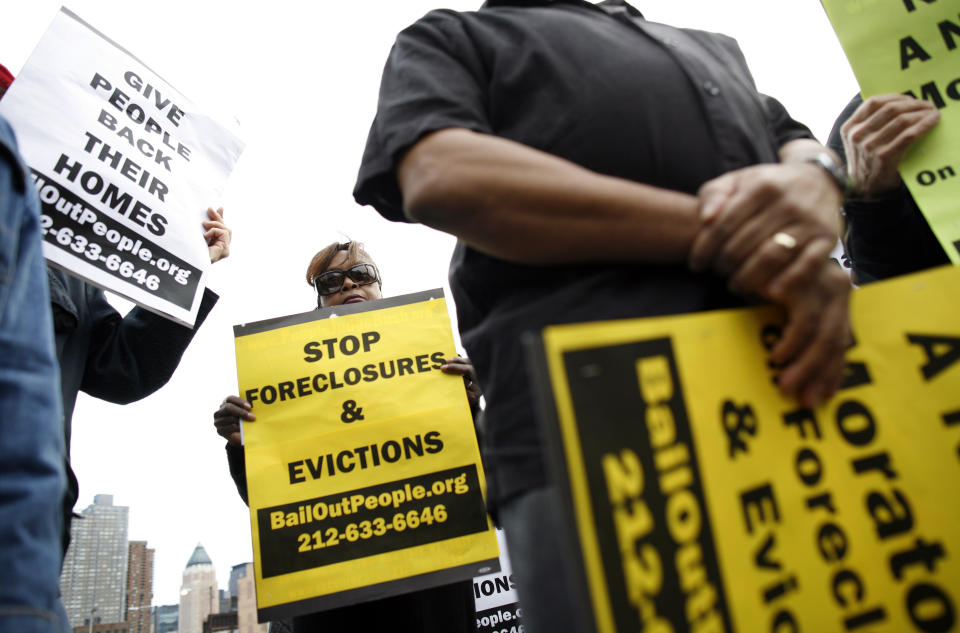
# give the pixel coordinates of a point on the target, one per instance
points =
(321, 261)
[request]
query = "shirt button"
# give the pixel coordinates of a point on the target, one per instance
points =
(711, 88)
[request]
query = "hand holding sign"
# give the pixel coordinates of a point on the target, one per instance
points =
(877, 137)
(227, 418)
(218, 235)
(460, 366)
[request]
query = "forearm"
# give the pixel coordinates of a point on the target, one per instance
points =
(524, 205)
(131, 357)
(237, 462)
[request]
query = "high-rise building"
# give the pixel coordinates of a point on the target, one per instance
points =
(94, 578)
(139, 587)
(199, 596)
(225, 601)
(236, 572)
(247, 600)
(165, 618)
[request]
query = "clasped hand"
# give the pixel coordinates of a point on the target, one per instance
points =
(769, 229)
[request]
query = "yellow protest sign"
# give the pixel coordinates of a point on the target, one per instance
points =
(911, 46)
(363, 472)
(703, 500)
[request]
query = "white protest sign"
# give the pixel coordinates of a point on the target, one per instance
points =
(124, 164)
(495, 596)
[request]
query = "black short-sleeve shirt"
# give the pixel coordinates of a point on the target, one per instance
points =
(599, 86)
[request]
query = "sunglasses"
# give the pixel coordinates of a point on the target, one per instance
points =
(331, 281)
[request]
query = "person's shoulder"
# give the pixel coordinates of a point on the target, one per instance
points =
(440, 18)
(442, 28)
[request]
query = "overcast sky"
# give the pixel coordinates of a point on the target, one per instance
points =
(302, 79)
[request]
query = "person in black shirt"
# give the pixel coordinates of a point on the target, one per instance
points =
(887, 234)
(597, 166)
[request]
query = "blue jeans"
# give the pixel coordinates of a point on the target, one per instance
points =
(32, 480)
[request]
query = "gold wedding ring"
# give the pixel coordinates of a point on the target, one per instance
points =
(785, 240)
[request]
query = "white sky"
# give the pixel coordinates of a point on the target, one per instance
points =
(302, 79)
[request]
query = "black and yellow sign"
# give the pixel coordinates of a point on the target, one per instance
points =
(702, 500)
(363, 472)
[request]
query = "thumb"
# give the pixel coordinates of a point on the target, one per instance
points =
(714, 195)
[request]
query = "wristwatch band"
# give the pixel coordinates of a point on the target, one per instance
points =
(838, 174)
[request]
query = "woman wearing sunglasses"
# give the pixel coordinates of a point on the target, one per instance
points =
(344, 273)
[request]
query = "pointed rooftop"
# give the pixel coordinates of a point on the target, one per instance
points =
(199, 557)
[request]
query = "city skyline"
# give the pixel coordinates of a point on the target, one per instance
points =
(111, 578)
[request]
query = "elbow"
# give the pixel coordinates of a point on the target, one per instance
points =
(424, 196)
(428, 177)
(126, 391)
